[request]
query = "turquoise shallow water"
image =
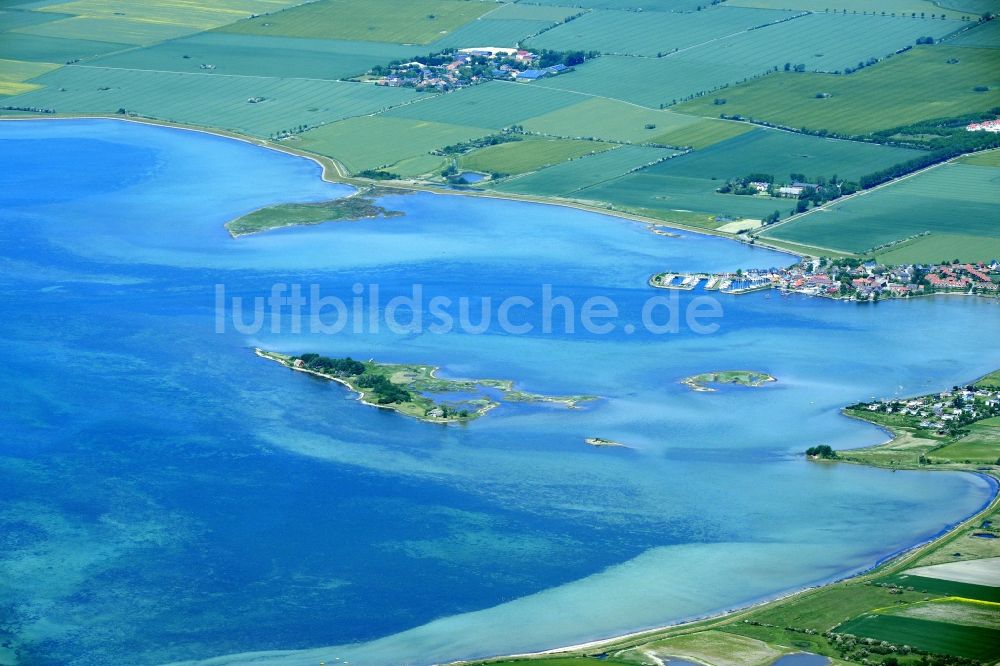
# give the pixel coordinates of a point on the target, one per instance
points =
(165, 495)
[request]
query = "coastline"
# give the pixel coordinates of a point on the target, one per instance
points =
(598, 642)
(332, 171)
(885, 565)
(890, 563)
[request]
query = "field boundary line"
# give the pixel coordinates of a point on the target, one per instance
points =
(233, 76)
(829, 204)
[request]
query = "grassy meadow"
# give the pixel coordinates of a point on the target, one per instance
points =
(399, 21)
(651, 33)
(609, 119)
(689, 182)
(569, 177)
(981, 445)
(954, 203)
(818, 42)
(259, 55)
(493, 105)
(523, 156)
(972, 642)
(926, 82)
(371, 142)
(899, 7)
(209, 99)
(986, 36)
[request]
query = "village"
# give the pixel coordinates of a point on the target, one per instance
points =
(457, 68)
(946, 413)
(849, 279)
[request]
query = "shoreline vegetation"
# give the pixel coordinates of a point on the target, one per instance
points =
(360, 205)
(416, 390)
(895, 613)
(748, 378)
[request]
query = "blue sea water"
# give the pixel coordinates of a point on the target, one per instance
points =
(165, 495)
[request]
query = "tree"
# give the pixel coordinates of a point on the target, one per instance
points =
(823, 451)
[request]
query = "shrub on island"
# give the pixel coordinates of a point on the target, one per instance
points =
(823, 451)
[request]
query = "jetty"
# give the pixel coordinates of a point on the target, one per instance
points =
(727, 283)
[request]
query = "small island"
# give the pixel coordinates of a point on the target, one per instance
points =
(358, 206)
(415, 390)
(600, 442)
(748, 378)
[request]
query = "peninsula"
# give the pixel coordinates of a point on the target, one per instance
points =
(748, 378)
(358, 206)
(948, 429)
(416, 390)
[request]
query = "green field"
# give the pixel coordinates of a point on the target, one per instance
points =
(209, 99)
(370, 142)
(820, 42)
(20, 70)
(662, 195)
(535, 12)
(713, 647)
(783, 153)
(956, 203)
(981, 445)
(194, 15)
(827, 608)
(985, 158)
(937, 586)
(425, 165)
(975, 6)
(702, 134)
(569, 177)
(986, 35)
(940, 245)
(507, 25)
(257, 55)
(643, 5)
(489, 32)
(939, 637)
(901, 7)
(916, 85)
(651, 33)
(9, 20)
(492, 105)
(649, 82)
(602, 118)
(400, 21)
(15, 46)
(991, 380)
(953, 611)
(523, 156)
(112, 29)
(688, 183)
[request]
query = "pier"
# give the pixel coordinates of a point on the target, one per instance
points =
(726, 283)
